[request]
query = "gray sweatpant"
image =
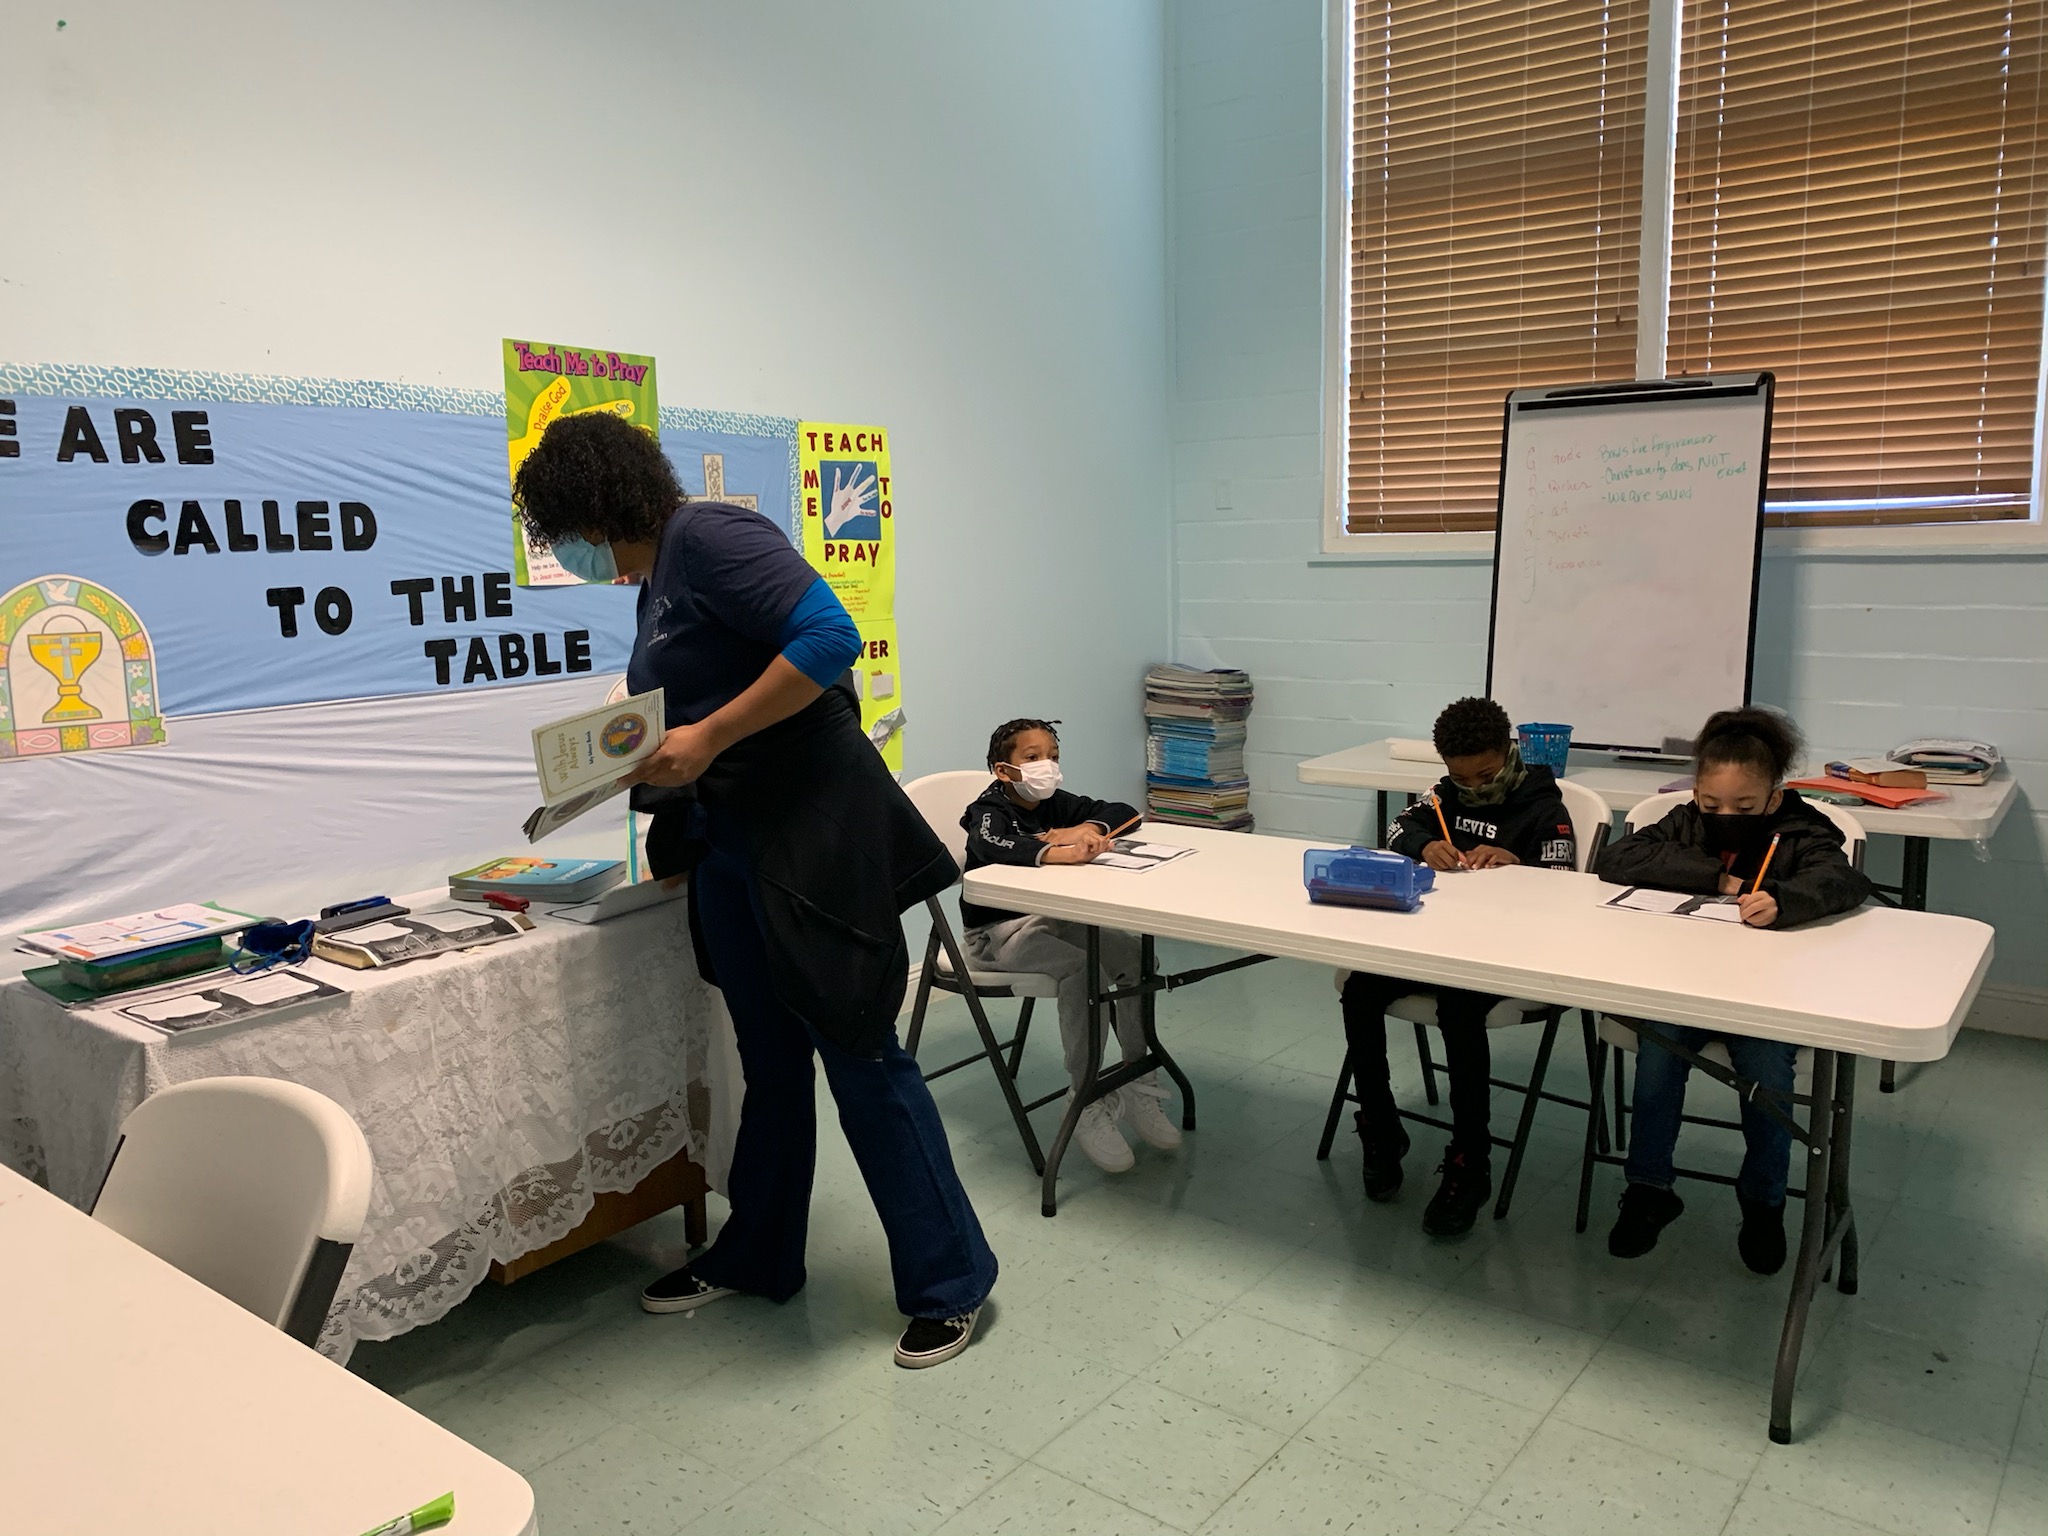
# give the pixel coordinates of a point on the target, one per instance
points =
(1060, 950)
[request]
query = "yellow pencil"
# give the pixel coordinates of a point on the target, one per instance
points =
(1761, 868)
(1438, 802)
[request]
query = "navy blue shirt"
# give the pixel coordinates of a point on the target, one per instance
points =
(713, 610)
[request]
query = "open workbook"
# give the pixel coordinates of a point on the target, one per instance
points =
(1640, 898)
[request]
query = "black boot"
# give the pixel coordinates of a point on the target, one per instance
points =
(1762, 1239)
(1645, 1211)
(1467, 1185)
(1386, 1143)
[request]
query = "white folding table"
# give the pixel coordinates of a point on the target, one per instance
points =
(1970, 814)
(1879, 982)
(142, 1402)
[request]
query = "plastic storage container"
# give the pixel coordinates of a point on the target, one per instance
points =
(1365, 877)
(1545, 746)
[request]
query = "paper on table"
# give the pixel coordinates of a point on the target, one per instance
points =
(268, 989)
(596, 747)
(451, 922)
(1637, 899)
(175, 1008)
(374, 933)
(1722, 911)
(1159, 852)
(1122, 861)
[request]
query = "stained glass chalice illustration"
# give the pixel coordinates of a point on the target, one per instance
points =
(65, 648)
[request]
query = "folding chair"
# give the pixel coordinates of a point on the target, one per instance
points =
(1612, 1035)
(943, 798)
(1589, 817)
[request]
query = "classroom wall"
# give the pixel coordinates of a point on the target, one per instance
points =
(1864, 651)
(945, 219)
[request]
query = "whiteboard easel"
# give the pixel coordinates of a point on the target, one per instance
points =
(1626, 550)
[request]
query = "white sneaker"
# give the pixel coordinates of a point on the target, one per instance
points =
(1140, 1101)
(1097, 1135)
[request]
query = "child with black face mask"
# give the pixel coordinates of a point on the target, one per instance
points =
(1717, 845)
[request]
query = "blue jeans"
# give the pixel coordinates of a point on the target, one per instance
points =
(1660, 1100)
(940, 1261)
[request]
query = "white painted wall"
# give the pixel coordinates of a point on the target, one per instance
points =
(1864, 652)
(948, 219)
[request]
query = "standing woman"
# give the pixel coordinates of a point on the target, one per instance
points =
(802, 854)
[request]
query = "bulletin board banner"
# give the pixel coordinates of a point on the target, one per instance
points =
(846, 504)
(228, 542)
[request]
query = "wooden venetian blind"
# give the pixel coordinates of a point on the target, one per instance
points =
(1496, 170)
(1859, 207)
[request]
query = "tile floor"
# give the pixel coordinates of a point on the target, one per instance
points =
(1232, 1341)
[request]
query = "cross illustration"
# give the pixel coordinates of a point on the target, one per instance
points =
(68, 649)
(714, 484)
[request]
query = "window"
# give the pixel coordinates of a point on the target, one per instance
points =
(1857, 200)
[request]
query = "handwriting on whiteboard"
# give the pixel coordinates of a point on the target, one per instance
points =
(1649, 469)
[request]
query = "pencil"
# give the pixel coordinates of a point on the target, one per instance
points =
(1120, 831)
(1438, 802)
(1768, 853)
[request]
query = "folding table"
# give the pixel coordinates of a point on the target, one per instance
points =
(1880, 982)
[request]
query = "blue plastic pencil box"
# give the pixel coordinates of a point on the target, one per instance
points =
(1365, 877)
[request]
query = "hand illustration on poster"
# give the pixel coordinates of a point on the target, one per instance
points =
(853, 507)
(545, 381)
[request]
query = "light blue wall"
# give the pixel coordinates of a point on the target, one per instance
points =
(948, 219)
(1864, 652)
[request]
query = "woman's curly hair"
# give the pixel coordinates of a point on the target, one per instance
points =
(599, 477)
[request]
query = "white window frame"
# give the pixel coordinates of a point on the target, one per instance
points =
(2006, 537)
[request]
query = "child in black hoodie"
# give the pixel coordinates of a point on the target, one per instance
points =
(1024, 817)
(1715, 845)
(1499, 811)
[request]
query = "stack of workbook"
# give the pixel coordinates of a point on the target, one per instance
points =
(1947, 760)
(537, 879)
(1194, 746)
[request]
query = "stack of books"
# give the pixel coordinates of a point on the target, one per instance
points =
(537, 879)
(1947, 760)
(1194, 747)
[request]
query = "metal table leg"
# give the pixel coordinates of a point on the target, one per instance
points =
(1086, 1093)
(1828, 1224)
(1912, 897)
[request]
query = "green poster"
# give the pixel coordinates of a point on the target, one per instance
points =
(545, 380)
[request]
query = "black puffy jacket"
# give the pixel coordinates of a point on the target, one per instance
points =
(1810, 875)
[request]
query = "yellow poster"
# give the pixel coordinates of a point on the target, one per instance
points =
(545, 380)
(879, 678)
(848, 514)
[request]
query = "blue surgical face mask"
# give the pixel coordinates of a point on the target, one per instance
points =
(585, 561)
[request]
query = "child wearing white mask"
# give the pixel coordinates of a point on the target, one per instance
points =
(1024, 817)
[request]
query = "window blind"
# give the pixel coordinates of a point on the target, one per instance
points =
(1859, 207)
(1496, 170)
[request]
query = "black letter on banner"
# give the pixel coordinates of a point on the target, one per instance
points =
(137, 432)
(478, 662)
(79, 437)
(145, 542)
(9, 448)
(443, 652)
(194, 440)
(512, 655)
(275, 539)
(458, 598)
(332, 610)
(497, 594)
(240, 539)
(193, 529)
(286, 601)
(542, 667)
(576, 648)
(412, 590)
(313, 532)
(358, 526)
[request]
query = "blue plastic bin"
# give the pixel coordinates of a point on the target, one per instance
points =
(1365, 877)
(1545, 746)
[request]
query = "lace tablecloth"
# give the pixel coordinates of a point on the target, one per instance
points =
(500, 1089)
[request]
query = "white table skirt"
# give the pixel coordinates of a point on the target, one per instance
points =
(501, 1090)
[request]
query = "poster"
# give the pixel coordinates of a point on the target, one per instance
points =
(846, 504)
(545, 381)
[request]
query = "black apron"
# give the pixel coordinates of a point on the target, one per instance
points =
(837, 854)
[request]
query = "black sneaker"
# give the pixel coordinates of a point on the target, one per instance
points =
(1466, 1187)
(934, 1340)
(1384, 1148)
(1762, 1239)
(1645, 1211)
(680, 1291)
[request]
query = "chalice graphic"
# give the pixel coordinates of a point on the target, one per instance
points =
(65, 648)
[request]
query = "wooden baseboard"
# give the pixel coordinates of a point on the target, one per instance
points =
(676, 1182)
(2011, 1011)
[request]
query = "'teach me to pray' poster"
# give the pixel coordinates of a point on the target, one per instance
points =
(545, 380)
(849, 535)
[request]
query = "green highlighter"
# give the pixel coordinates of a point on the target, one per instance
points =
(440, 1512)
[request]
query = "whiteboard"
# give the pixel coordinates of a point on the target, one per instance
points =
(1625, 561)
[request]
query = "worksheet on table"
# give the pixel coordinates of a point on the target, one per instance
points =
(1715, 909)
